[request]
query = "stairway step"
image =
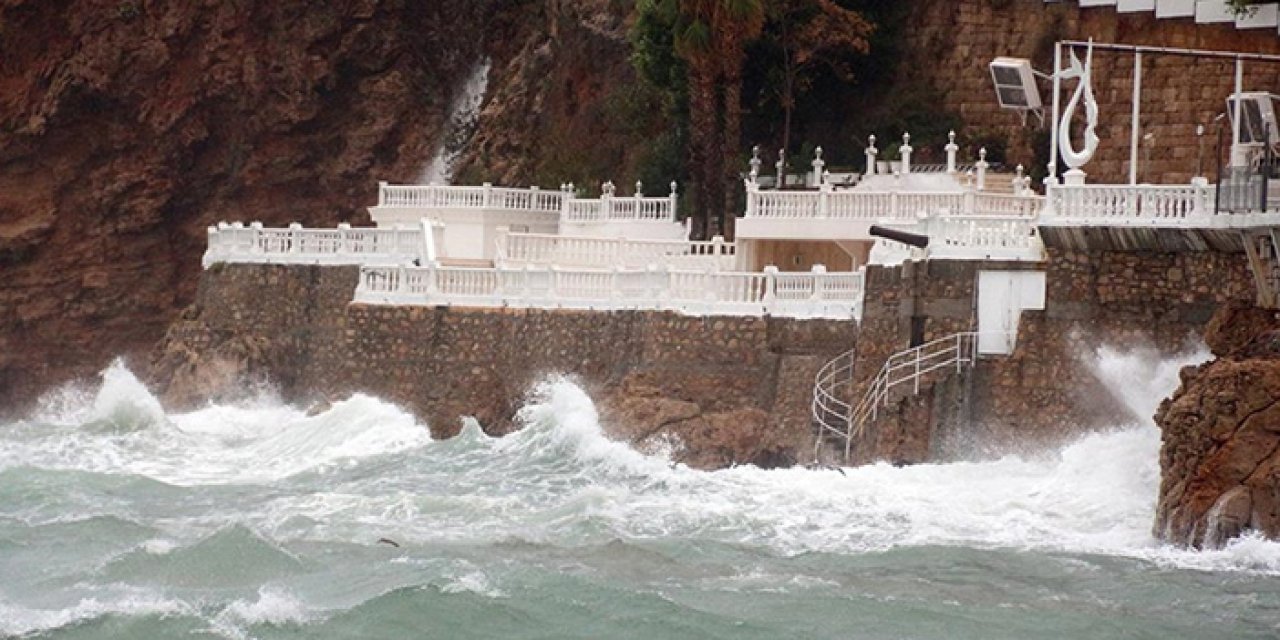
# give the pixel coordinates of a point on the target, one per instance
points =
(1133, 6)
(1261, 16)
(1175, 8)
(1212, 11)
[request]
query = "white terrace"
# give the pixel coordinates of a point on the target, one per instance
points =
(469, 220)
(970, 215)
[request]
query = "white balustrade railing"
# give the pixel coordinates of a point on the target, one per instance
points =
(584, 251)
(607, 208)
(807, 295)
(859, 204)
(620, 209)
(467, 197)
(1139, 204)
(296, 245)
(986, 235)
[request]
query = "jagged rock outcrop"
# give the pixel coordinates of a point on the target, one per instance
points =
(1220, 459)
(127, 127)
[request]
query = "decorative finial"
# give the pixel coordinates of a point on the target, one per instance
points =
(673, 187)
(817, 153)
(982, 153)
(639, 188)
(906, 138)
(951, 136)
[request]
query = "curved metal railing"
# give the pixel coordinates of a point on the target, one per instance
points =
(908, 366)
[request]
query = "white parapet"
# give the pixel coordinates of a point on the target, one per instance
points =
(296, 245)
(814, 294)
(520, 249)
(471, 217)
(849, 214)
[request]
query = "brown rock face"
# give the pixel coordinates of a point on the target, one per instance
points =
(128, 127)
(1220, 459)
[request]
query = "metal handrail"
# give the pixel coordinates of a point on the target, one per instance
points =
(830, 413)
(835, 416)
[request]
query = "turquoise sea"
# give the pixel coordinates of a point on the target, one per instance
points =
(254, 520)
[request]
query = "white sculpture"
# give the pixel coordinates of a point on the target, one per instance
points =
(1084, 88)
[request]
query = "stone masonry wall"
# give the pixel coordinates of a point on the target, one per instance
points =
(1046, 390)
(949, 43)
(728, 389)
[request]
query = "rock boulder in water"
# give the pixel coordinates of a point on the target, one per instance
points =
(1220, 459)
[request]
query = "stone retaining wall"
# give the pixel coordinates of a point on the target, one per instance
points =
(1046, 390)
(729, 389)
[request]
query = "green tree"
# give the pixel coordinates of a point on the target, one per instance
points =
(809, 33)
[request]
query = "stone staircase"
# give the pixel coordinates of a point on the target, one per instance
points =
(1261, 16)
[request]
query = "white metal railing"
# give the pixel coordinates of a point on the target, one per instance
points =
(814, 294)
(296, 245)
(907, 367)
(1145, 204)
(515, 249)
(831, 413)
(860, 204)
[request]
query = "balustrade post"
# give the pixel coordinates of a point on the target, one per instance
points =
(951, 150)
(256, 240)
(770, 287)
(904, 153)
(671, 199)
(1200, 203)
(344, 238)
(1017, 181)
(871, 152)
(824, 202)
(818, 271)
(981, 166)
(295, 237)
(402, 282)
(487, 198)
(382, 193)
(818, 163)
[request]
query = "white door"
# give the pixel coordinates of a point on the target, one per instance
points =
(996, 325)
(1002, 297)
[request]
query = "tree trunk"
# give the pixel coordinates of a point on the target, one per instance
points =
(729, 149)
(703, 148)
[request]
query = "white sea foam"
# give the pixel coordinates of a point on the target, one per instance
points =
(123, 429)
(561, 481)
(17, 620)
(274, 605)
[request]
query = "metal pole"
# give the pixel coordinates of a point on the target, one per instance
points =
(1135, 125)
(1174, 51)
(1235, 107)
(1053, 126)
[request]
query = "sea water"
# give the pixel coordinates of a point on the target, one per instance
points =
(256, 520)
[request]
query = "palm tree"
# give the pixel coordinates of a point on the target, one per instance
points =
(711, 37)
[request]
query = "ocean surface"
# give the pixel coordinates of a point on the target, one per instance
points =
(255, 520)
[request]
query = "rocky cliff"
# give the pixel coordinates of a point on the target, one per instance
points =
(1220, 458)
(127, 127)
